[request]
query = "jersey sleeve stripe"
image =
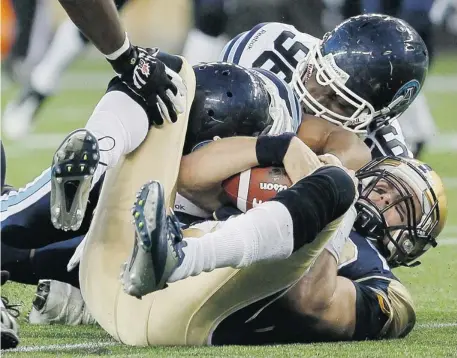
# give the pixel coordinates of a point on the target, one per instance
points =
(228, 47)
(17, 198)
(287, 95)
(241, 46)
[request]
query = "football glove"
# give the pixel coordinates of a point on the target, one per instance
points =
(160, 86)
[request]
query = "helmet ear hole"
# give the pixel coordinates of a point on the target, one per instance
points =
(225, 73)
(229, 94)
(210, 112)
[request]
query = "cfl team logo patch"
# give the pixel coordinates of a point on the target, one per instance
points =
(409, 91)
(144, 67)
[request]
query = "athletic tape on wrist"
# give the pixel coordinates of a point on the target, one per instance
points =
(126, 45)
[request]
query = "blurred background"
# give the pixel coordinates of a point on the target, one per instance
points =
(52, 79)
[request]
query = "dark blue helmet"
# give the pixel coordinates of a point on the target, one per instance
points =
(229, 100)
(374, 64)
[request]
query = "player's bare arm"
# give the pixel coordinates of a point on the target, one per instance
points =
(324, 137)
(324, 300)
(230, 156)
(99, 21)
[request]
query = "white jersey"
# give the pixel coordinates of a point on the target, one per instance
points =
(271, 46)
(277, 48)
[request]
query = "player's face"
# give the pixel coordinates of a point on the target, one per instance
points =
(383, 195)
(326, 96)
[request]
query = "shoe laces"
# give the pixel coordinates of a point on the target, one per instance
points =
(106, 150)
(11, 308)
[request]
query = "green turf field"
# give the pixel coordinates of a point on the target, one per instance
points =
(433, 284)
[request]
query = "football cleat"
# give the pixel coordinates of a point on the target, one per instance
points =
(57, 302)
(73, 167)
(8, 325)
(157, 249)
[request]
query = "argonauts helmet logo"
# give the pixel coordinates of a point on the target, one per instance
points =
(409, 91)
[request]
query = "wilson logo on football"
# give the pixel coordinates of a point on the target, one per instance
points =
(271, 186)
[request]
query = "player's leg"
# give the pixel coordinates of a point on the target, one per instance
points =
(26, 219)
(108, 243)
(28, 266)
(118, 125)
(271, 231)
(58, 302)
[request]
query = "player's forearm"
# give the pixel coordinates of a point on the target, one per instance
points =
(99, 21)
(313, 293)
(209, 166)
(349, 149)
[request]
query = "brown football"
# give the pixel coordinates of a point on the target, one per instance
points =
(256, 185)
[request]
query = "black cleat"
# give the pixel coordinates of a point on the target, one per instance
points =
(157, 249)
(72, 171)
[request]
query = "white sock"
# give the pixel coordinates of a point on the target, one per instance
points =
(262, 234)
(120, 124)
(200, 47)
(66, 45)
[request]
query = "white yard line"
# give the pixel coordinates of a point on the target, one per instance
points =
(59, 347)
(436, 325)
(95, 346)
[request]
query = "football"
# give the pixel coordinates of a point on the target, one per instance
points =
(255, 185)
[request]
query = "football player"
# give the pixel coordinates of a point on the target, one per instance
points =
(349, 81)
(360, 76)
(250, 105)
(349, 293)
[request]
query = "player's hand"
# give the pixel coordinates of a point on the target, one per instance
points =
(300, 160)
(146, 75)
(330, 159)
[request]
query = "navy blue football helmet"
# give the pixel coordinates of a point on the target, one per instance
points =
(375, 63)
(229, 101)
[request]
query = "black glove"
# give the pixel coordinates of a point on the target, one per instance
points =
(161, 87)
